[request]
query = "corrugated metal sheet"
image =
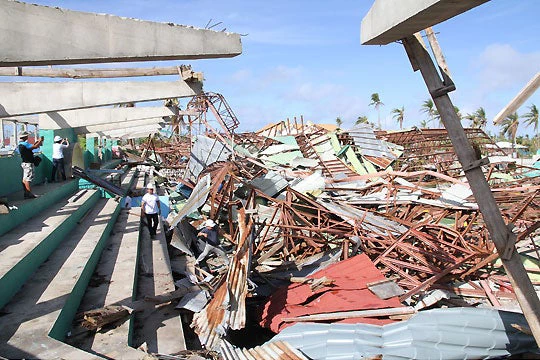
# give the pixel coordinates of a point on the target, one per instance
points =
(205, 151)
(227, 309)
(348, 292)
(279, 350)
(364, 218)
(455, 333)
(196, 199)
(368, 145)
(270, 183)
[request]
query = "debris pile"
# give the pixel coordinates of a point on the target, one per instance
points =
(324, 224)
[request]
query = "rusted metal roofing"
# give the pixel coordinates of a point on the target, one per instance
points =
(347, 292)
(278, 350)
(227, 308)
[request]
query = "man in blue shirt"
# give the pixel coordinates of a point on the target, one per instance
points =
(27, 155)
(210, 237)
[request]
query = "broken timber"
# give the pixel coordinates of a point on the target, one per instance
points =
(500, 233)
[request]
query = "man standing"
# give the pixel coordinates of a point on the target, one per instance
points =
(58, 157)
(151, 208)
(27, 155)
(210, 236)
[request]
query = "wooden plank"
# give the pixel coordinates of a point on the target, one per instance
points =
(498, 230)
(352, 314)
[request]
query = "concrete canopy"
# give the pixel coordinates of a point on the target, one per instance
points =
(100, 116)
(40, 35)
(40, 97)
(392, 20)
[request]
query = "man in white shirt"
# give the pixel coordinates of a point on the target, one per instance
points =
(151, 208)
(58, 157)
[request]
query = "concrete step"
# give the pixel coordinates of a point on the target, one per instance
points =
(38, 321)
(161, 329)
(24, 248)
(113, 281)
(48, 195)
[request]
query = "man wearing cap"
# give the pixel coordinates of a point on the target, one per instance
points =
(58, 157)
(27, 155)
(209, 234)
(151, 208)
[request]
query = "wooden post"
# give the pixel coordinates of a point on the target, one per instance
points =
(500, 233)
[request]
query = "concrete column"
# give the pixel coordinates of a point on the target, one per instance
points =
(90, 152)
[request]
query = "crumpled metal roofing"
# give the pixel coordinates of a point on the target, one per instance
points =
(453, 333)
(368, 220)
(365, 140)
(227, 308)
(196, 199)
(205, 151)
(278, 350)
(348, 292)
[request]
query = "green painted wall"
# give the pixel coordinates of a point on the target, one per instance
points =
(11, 178)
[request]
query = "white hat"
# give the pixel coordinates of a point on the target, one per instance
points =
(150, 186)
(209, 223)
(23, 134)
(57, 138)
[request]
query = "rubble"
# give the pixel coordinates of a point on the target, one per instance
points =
(307, 212)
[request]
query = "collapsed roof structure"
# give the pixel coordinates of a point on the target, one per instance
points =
(341, 243)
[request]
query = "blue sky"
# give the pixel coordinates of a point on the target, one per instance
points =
(305, 58)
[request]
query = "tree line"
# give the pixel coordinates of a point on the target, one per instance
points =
(478, 119)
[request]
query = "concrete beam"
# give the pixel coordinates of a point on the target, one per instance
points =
(135, 135)
(40, 97)
(122, 132)
(183, 71)
(519, 99)
(40, 35)
(100, 116)
(392, 20)
(117, 126)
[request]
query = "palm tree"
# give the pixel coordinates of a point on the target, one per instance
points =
(478, 118)
(423, 124)
(510, 126)
(377, 103)
(531, 118)
(362, 120)
(339, 122)
(428, 108)
(398, 115)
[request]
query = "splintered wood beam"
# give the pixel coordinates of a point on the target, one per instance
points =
(500, 233)
(352, 314)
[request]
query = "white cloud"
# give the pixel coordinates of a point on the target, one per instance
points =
(501, 67)
(240, 76)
